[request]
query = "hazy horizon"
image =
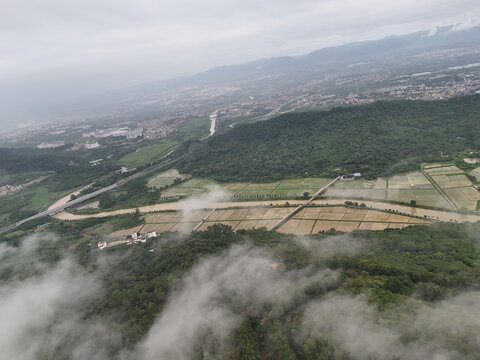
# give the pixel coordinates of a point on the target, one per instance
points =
(55, 53)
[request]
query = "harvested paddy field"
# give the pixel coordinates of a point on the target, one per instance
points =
(456, 186)
(341, 218)
(402, 188)
(309, 220)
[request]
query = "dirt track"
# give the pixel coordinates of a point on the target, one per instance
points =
(66, 199)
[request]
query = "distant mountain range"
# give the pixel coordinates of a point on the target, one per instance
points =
(391, 49)
(407, 54)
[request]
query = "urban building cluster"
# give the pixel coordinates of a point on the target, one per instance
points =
(50, 145)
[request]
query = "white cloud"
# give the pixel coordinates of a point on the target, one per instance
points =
(43, 314)
(245, 274)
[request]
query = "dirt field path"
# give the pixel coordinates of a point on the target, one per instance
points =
(178, 206)
(66, 199)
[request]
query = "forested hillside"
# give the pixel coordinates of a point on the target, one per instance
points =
(377, 140)
(219, 294)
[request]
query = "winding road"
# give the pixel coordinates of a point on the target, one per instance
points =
(438, 215)
(61, 205)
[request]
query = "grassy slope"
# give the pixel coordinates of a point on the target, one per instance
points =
(194, 129)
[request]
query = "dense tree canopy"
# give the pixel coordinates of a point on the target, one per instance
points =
(395, 270)
(377, 140)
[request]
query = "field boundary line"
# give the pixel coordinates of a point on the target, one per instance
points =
(243, 188)
(439, 189)
(203, 220)
(301, 206)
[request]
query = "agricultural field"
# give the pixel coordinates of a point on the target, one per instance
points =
(148, 153)
(456, 185)
(297, 187)
(399, 188)
(403, 188)
(476, 172)
(191, 187)
(291, 188)
(309, 220)
(359, 189)
(165, 179)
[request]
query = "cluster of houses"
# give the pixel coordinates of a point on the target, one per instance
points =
(9, 189)
(136, 238)
(50, 145)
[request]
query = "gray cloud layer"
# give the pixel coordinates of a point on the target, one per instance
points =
(75, 48)
(246, 274)
(42, 315)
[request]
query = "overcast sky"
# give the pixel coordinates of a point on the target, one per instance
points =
(51, 49)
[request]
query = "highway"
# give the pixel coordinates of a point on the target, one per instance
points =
(83, 198)
(60, 208)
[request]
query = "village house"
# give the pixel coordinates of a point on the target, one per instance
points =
(142, 238)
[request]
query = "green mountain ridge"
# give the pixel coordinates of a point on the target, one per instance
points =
(378, 140)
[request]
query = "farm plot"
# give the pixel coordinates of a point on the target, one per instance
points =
(419, 181)
(265, 223)
(431, 197)
(402, 188)
(346, 219)
(253, 194)
(456, 186)
(190, 187)
(476, 172)
(356, 193)
(234, 187)
(451, 181)
(464, 197)
(256, 190)
(300, 227)
(415, 186)
(165, 217)
(291, 192)
(444, 170)
(361, 184)
(261, 187)
(297, 187)
(308, 213)
(398, 182)
(303, 183)
(165, 178)
(246, 225)
(403, 195)
(347, 226)
(309, 220)
(323, 225)
(375, 216)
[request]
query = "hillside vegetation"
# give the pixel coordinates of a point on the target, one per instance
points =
(281, 297)
(377, 140)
